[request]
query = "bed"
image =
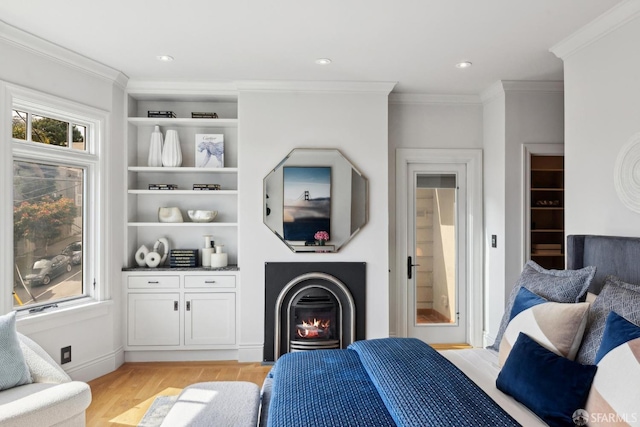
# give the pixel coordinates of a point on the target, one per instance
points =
(557, 360)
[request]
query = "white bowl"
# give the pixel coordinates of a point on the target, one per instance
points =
(202, 215)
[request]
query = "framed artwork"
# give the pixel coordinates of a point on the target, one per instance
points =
(209, 150)
(307, 202)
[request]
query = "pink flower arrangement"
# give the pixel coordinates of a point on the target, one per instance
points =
(322, 236)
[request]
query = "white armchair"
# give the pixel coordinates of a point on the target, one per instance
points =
(53, 399)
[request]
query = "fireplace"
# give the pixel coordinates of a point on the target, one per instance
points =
(314, 321)
(313, 306)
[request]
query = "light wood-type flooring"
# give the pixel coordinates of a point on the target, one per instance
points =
(122, 397)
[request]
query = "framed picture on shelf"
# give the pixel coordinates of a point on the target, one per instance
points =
(307, 202)
(209, 150)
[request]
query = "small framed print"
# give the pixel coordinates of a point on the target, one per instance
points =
(209, 150)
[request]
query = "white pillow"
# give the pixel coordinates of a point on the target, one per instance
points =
(13, 368)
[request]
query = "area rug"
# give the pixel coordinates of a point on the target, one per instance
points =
(157, 411)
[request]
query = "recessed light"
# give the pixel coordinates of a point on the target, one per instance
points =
(465, 64)
(323, 61)
(164, 58)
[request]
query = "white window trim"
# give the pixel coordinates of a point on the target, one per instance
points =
(96, 121)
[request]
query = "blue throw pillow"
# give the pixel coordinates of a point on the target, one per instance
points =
(555, 326)
(552, 386)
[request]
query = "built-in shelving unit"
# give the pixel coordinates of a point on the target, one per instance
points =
(143, 226)
(188, 309)
(546, 210)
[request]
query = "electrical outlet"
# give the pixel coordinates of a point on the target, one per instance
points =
(65, 355)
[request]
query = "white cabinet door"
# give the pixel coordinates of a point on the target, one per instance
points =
(153, 319)
(210, 318)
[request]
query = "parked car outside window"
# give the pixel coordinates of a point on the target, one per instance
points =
(74, 251)
(47, 268)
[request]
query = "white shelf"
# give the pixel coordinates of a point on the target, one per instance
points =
(181, 169)
(182, 122)
(182, 224)
(189, 192)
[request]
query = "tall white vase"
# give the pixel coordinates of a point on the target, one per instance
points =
(171, 152)
(155, 148)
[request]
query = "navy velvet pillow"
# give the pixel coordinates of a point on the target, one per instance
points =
(552, 386)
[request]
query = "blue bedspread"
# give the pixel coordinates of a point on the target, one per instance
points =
(383, 382)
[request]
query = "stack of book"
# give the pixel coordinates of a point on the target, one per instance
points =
(206, 187)
(163, 114)
(183, 258)
(163, 186)
(202, 115)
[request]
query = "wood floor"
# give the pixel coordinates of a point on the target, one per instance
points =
(122, 397)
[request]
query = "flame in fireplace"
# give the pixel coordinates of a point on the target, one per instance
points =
(315, 328)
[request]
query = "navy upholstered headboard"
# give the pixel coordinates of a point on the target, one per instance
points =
(619, 256)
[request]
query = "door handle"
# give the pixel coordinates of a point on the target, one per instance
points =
(188, 305)
(410, 266)
(175, 306)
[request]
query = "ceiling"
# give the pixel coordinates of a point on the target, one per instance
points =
(415, 43)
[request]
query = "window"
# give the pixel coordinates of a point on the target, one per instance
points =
(54, 171)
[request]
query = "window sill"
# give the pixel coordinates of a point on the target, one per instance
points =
(63, 315)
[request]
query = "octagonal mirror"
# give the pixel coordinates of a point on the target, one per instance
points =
(315, 200)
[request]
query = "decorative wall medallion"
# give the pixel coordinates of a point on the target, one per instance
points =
(626, 174)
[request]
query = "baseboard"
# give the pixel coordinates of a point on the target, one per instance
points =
(97, 367)
(250, 353)
(180, 355)
(487, 339)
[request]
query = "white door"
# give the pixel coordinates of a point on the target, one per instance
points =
(439, 245)
(436, 242)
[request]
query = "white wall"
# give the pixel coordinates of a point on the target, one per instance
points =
(271, 124)
(426, 122)
(494, 118)
(515, 113)
(602, 88)
(94, 334)
(534, 115)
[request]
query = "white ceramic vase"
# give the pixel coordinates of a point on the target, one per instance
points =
(170, 214)
(141, 253)
(165, 245)
(155, 148)
(171, 152)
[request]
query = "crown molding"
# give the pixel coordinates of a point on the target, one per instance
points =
(532, 86)
(52, 51)
(314, 86)
(504, 86)
(154, 89)
(434, 99)
(492, 92)
(609, 21)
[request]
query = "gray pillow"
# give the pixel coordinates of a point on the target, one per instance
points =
(553, 285)
(13, 369)
(618, 296)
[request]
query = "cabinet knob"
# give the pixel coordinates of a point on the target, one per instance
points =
(175, 306)
(188, 305)
(209, 281)
(152, 282)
